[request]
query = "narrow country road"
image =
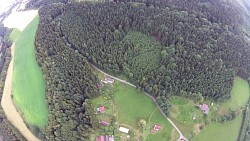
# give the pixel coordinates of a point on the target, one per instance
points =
(8, 106)
(123, 81)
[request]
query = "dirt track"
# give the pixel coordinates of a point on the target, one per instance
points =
(8, 106)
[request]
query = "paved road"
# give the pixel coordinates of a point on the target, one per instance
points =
(8, 106)
(123, 81)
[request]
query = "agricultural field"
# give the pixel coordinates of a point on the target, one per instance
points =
(28, 81)
(128, 105)
(219, 132)
(14, 34)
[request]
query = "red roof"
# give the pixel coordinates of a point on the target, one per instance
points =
(105, 123)
(157, 127)
(153, 131)
(101, 109)
(102, 138)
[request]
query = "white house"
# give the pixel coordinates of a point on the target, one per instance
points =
(124, 130)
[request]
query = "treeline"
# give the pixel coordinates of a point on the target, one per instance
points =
(70, 82)
(7, 131)
(245, 126)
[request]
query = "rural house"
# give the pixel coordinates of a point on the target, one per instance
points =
(204, 108)
(105, 138)
(124, 130)
(156, 128)
(108, 80)
(104, 123)
(101, 109)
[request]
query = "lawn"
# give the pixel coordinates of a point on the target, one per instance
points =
(165, 133)
(28, 81)
(239, 95)
(133, 105)
(182, 113)
(228, 131)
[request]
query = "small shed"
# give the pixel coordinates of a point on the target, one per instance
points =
(104, 123)
(157, 127)
(101, 109)
(124, 130)
(204, 108)
(109, 80)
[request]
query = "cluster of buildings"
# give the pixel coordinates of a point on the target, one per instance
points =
(105, 138)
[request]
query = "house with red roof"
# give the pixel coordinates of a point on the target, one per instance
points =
(104, 123)
(101, 109)
(204, 108)
(105, 138)
(156, 128)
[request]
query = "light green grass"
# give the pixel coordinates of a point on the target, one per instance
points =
(14, 34)
(165, 133)
(228, 131)
(133, 105)
(239, 95)
(28, 81)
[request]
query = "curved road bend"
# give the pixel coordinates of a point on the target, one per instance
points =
(123, 81)
(8, 106)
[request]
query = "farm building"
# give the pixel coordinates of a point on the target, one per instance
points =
(124, 130)
(156, 128)
(101, 109)
(104, 123)
(108, 80)
(204, 108)
(105, 138)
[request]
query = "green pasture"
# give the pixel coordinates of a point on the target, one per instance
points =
(14, 34)
(133, 105)
(239, 95)
(228, 131)
(28, 81)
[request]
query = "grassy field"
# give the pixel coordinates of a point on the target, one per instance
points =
(221, 132)
(239, 95)
(14, 34)
(133, 105)
(28, 82)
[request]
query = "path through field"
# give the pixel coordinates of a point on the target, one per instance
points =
(8, 106)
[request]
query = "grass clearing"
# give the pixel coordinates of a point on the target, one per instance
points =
(239, 95)
(228, 131)
(14, 34)
(28, 81)
(133, 105)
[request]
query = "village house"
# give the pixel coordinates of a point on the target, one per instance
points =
(204, 108)
(124, 130)
(108, 80)
(156, 128)
(101, 109)
(105, 138)
(104, 123)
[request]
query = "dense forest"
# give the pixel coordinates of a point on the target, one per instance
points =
(190, 49)
(196, 56)
(70, 82)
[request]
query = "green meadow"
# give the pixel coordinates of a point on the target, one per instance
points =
(28, 81)
(133, 105)
(239, 95)
(228, 131)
